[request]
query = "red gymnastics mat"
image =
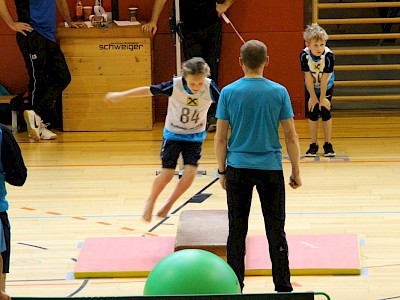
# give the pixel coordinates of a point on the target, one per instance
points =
(322, 254)
(107, 257)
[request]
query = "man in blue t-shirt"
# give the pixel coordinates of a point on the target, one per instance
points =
(47, 69)
(253, 107)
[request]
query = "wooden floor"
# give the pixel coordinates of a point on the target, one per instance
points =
(95, 184)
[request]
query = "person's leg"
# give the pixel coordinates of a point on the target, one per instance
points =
(191, 153)
(239, 189)
(2, 248)
(191, 45)
(211, 47)
(5, 255)
(271, 189)
(211, 42)
(30, 45)
(34, 49)
(189, 173)
(313, 126)
(159, 184)
(169, 154)
(60, 78)
(327, 128)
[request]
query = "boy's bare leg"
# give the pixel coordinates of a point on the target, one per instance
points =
(189, 173)
(3, 294)
(327, 127)
(158, 186)
(2, 281)
(313, 125)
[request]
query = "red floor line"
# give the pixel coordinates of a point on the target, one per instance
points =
(80, 218)
(53, 213)
(210, 163)
(103, 223)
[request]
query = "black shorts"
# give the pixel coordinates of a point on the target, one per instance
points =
(7, 236)
(191, 153)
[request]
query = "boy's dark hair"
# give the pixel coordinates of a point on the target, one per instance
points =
(253, 54)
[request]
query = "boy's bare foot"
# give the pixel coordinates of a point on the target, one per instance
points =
(163, 212)
(148, 211)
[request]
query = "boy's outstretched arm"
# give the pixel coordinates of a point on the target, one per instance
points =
(115, 97)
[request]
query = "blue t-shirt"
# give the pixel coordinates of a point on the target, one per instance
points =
(43, 18)
(40, 14)
(254, 108)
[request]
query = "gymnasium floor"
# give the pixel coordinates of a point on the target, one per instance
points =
(95, 184)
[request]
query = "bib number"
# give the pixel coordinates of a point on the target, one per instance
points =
(189, 116)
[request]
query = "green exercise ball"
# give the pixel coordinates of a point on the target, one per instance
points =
(192, 271)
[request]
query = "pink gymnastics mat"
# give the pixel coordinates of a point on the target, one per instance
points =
(106, 257)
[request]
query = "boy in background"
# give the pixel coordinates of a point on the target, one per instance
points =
(317, 62)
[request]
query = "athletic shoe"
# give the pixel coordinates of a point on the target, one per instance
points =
(312, 152)
(212, 124)
(46, 134)
(328, 150)
(33, 123)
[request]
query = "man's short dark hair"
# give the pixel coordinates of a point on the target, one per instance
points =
(253, 54)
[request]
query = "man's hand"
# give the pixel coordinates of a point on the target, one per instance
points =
(221, 8)
(325, 103)
(295, 182)
(150, 28)
(77, 25)
(21, 27)
(222, 181)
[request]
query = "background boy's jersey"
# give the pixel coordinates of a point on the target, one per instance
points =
(318, 66)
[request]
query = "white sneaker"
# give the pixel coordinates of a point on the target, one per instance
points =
(33, 123)
(46, 134)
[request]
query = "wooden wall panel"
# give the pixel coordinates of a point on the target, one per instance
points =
(126, 64)
(93, 121)
(118, 65)
(89, 103)
(105, 84)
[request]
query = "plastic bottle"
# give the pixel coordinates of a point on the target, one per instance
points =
(79, 10)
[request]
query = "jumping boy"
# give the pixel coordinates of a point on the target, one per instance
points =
(317, 62)
(190, 97)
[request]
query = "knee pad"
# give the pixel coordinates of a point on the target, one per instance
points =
(313, 115)
(325, 114)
